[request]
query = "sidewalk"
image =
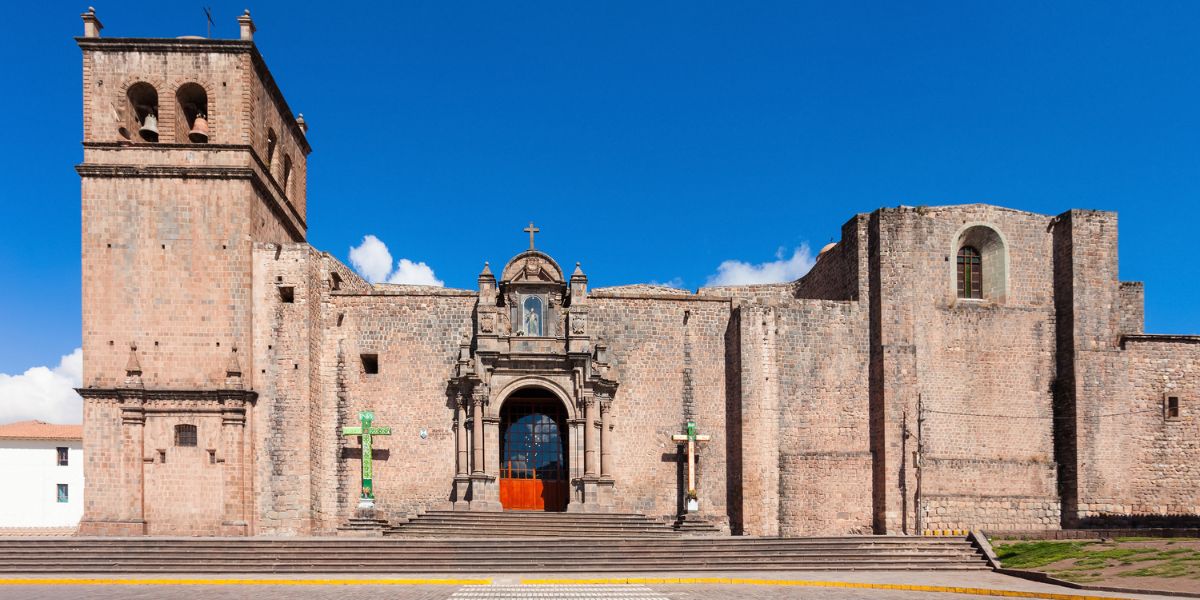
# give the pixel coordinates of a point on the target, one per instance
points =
(881, 584)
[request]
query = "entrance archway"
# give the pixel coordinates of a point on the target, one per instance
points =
(533, 452)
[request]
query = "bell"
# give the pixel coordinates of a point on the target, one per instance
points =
(199, 132)
(149, 129)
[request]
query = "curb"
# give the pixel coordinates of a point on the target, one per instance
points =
(191, 581)
(1041, 577)
(822, 584)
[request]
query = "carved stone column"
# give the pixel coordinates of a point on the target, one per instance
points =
(477, 401)
(460, 437)
(485, 495)
(462, 455)
(604, 487)
(233, 432)
(605, 439)
(589, 436)
(133, 467)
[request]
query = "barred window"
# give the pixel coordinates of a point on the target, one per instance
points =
(185, 435)
(62, 456)
(970, 273)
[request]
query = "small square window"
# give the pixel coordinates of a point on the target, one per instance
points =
(287, 294)
(62, 456)
(370, 363)
(1171, 407)
(335, 281)
(185, 435)
(63, 497)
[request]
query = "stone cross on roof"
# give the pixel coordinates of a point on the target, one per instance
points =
(531, 230)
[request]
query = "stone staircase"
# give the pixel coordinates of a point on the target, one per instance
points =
(481, 555)
(531, 524)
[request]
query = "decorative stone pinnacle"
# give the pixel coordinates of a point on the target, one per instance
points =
(302, 123)
(246, 26)
(133, 367)
(91, 23)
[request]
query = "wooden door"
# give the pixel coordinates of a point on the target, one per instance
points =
(532, 460)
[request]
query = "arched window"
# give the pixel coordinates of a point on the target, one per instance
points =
(970, 273)
(185, 435)
(142, 113)
(287, 175)
(192, 116)
(272, 143)
(982, 264)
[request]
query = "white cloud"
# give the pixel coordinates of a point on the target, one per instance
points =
(373, 261)
(414, 273)
(783, 269)
(674, 282)
(44, 393)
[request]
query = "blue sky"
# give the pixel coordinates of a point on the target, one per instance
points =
(651, 141)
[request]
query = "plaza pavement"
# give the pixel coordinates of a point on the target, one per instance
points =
(763, 585)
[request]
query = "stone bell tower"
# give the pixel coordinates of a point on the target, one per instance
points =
(191, 155)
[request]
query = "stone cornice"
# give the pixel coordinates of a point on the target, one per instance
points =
(194, 45)
(278, 189)
(201, 172)
(1161, 337)
(600, 294)
(188, 396)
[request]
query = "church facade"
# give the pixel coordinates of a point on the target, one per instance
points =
(946, 367)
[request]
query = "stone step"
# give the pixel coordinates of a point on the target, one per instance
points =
(481, 555)
(535, 516)
(236, 569)
(554, 543)
(484, 566)
(193, 555)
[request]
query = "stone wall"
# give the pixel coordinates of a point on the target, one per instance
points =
(1133, 307)
(415, 335)
(1154, 465)
(824, 439)
(837, 273)
(978, 372)
(185, 491)
(667, 353)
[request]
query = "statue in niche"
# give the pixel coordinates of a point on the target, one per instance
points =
(532, 318)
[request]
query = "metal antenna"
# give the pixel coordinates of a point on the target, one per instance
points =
(208, 16)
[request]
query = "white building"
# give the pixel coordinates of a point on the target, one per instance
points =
(41, 467)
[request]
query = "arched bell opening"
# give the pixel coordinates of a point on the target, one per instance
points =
(193, 113)
(534, 451)
(142, 111)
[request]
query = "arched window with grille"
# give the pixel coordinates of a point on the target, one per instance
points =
(185, 435)
(970, 273)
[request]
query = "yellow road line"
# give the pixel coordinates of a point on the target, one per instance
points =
(830, 584)
(190, 581)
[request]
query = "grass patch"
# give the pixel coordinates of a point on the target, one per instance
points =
(1155, 539)
(1090, 561)
(1167, 569)
(1029, 555)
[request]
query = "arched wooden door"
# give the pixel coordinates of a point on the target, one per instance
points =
(533, 453)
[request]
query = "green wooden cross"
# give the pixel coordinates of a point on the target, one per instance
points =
(366, 432)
